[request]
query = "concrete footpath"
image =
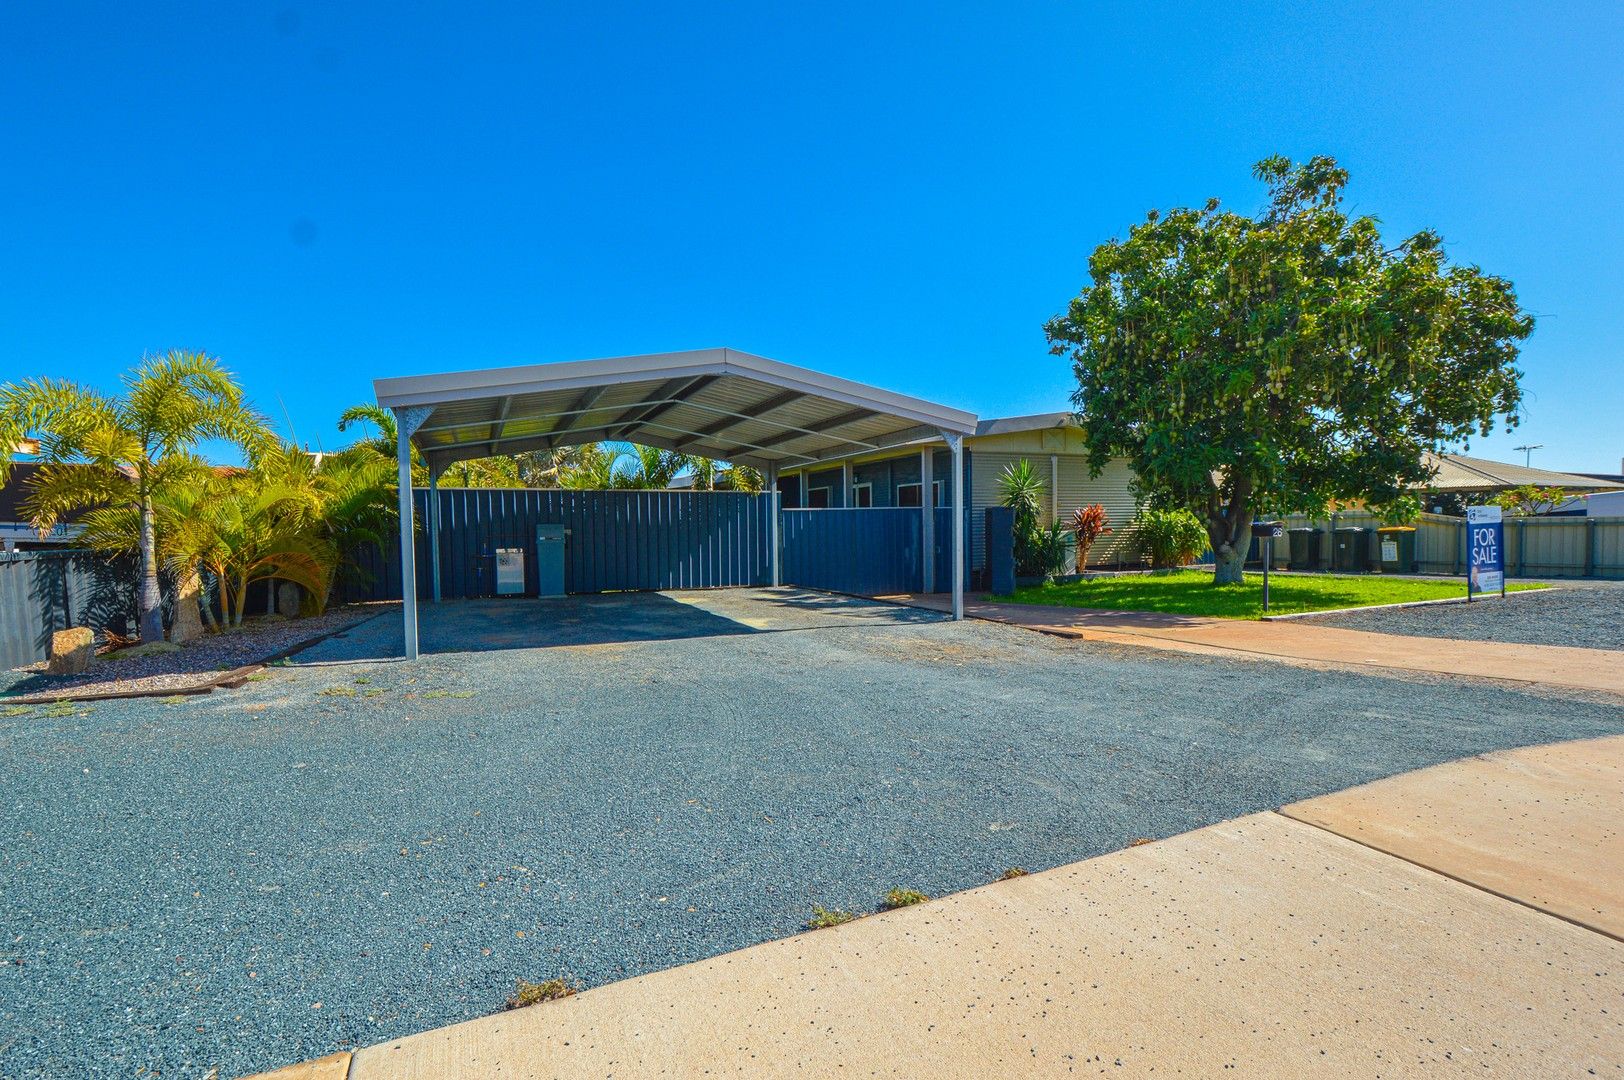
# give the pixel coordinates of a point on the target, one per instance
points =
(1298, 641)
(1459, 920)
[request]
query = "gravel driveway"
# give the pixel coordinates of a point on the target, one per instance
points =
(350, 851)
(1584, 614)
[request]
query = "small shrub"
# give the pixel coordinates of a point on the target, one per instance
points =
(361, 680)
(339, 691)
(903, 898)
(58, 709)
(1171, 538)
(823, 917)
(529, 993)
(1013, 872)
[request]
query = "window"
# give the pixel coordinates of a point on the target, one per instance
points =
(862, 495)
(908, 494)
(817, 498)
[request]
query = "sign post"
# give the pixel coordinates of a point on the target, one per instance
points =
(1267, 531)
(1486, 551)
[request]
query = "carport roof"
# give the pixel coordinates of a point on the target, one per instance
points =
(716, 403)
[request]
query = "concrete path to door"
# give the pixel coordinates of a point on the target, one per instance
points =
(1408, 926)
(1302, 642)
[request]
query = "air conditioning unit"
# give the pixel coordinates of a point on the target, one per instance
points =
(509, 571)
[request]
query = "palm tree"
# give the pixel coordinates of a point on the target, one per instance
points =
(532, 469)
(712, 475)
(592, 470)
(380, 418)
(357, 493)
(127, 451)
(644, 467)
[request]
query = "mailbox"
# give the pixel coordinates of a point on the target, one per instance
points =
(1268, 530)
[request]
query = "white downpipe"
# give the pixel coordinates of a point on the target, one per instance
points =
(955, 443)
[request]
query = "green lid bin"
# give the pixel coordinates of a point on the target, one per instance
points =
(1350, 548)
(1305, 549)
(1397, 545)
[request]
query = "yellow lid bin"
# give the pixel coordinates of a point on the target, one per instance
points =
(1397, 545)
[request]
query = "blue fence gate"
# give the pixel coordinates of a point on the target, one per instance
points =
(870, 551)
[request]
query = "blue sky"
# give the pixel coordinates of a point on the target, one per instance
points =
(324, 194)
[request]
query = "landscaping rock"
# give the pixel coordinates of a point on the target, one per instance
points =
(288, 599)
(71, 651)
(187, 624)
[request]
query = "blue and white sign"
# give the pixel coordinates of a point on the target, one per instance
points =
(1486, 547)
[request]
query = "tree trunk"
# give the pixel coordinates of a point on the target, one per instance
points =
(149, 598)
(1229, 531)
(1229, 563)
(206, 604)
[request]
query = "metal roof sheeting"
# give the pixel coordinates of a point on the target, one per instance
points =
(1457, 472)
(718, 403)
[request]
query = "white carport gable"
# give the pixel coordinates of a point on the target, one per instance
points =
(716, 403)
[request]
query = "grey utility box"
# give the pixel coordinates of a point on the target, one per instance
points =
(550, 560)
(509, 571)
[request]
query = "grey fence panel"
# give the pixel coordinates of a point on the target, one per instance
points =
(869, 552)
(42, 592)
(614, 541)
(1607, 547)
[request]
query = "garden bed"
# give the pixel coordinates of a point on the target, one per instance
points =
(1191, 592)
(194, 666)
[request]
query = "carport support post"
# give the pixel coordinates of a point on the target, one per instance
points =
(955, 443)
(407, 420)
(927, 508)
(771, 473)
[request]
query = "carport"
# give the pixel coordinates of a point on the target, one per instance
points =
(716, 403)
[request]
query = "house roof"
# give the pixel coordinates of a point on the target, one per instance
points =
(718, 403)
(1457, 472)
(17, 488)
(1007, 425)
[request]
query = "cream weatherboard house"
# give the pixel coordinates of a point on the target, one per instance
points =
(1052, 442)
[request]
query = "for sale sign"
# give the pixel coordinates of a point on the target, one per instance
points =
(1485, 540)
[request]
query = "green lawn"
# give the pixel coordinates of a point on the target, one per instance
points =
(1191, 592)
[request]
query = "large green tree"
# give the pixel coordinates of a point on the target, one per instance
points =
(1284, 361)
(127, 451)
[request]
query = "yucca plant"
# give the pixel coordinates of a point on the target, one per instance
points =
(126, 451)
(1039, 550)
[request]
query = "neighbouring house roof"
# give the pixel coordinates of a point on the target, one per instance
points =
(1457, 472)
(1007, 425)
(17, 488)
(14, 520)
